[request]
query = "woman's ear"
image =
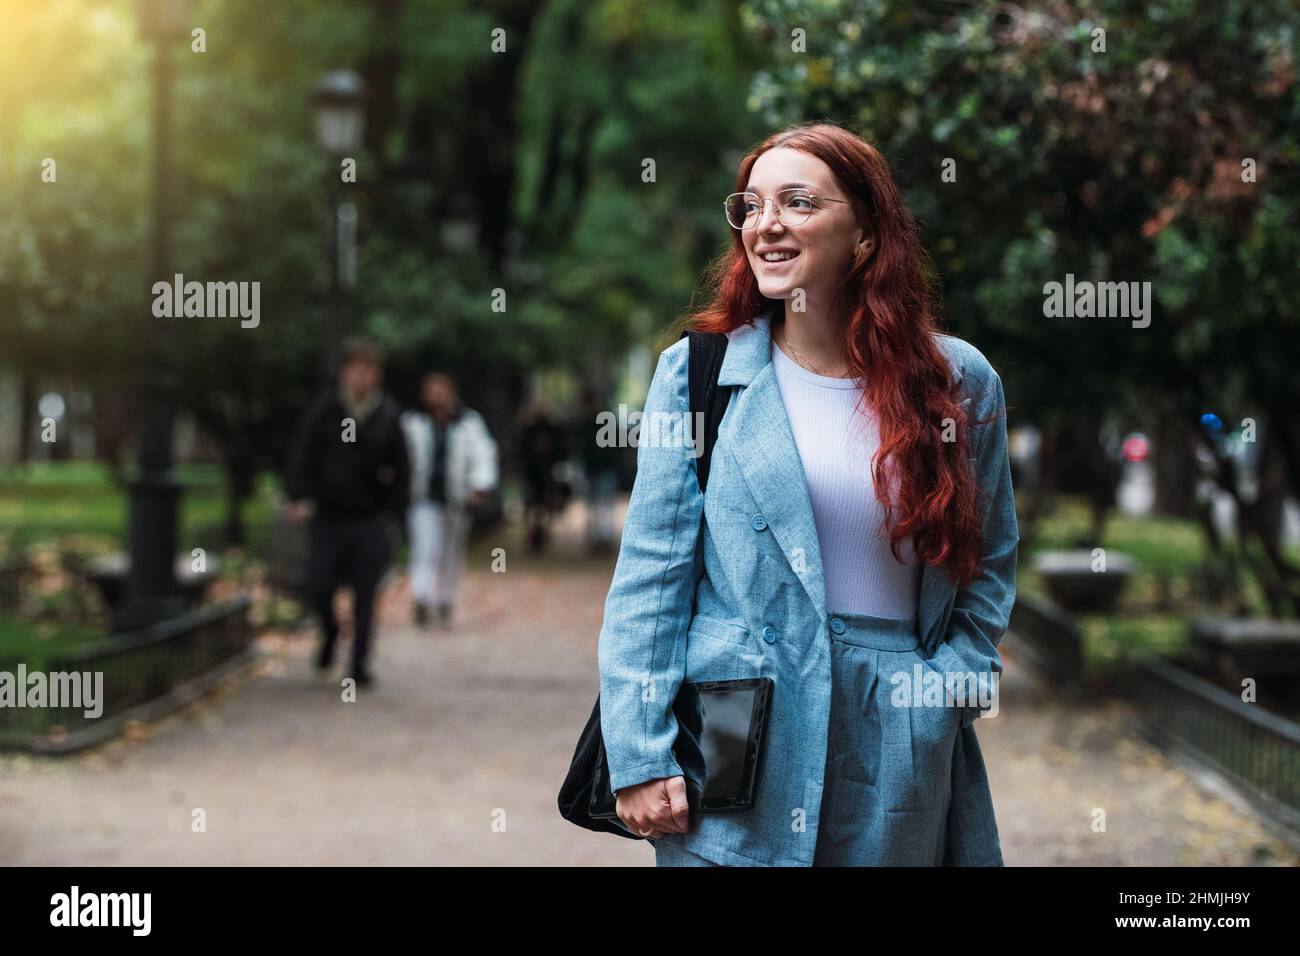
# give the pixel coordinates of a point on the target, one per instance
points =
(865, 242)
(862, 251)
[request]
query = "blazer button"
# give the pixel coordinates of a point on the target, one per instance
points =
(769, 635)
(837, 626)
(759, 522)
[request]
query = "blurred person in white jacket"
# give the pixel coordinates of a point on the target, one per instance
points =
(453, 469)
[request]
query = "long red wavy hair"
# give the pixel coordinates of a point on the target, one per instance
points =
(887, 307)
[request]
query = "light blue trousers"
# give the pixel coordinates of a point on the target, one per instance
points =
(888, 779)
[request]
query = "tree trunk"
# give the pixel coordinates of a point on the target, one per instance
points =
(239, 487)
(1173, 455)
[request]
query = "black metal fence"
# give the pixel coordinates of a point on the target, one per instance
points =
(144, 673)
(1257, 750)
(1050, 636)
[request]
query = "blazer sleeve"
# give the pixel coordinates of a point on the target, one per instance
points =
(981, 611)
(642, 648)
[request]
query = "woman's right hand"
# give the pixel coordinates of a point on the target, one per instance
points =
(655, 807)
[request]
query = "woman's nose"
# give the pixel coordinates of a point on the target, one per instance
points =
(769, 223)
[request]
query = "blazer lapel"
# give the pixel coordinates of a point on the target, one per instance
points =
(758, 431)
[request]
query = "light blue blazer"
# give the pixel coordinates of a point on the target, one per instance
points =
(742, 595)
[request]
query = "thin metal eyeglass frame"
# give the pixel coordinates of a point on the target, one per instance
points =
(812, 196)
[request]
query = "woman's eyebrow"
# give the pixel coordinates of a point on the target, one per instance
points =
(751, 189)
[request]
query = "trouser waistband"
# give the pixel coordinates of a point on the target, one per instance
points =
(880, 633)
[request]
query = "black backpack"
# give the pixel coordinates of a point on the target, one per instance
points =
(706, 353)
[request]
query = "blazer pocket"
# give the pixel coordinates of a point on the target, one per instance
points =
(717, 628)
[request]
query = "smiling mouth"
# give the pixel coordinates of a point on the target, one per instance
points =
(778, 258)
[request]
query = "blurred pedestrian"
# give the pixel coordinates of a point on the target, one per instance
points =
(349, 471)
(542, 447)
(601, 457)
(453, 470)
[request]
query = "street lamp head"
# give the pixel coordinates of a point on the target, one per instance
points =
(340, 117)
(164, 19)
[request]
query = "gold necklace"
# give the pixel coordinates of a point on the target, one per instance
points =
(798, 357)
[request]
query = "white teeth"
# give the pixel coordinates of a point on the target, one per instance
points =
(777, 256)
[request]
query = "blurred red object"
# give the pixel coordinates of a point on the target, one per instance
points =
(1136, 447)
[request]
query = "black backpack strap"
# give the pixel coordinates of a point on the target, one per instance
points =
(707, 352)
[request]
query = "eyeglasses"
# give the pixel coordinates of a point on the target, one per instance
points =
(793, 207)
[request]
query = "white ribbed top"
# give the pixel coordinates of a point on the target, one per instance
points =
(836, 442)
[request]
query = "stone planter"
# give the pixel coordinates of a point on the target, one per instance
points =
(1266, 650)
(1074, 585)
(109, 574)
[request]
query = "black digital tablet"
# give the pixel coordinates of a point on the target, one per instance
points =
(720, 729)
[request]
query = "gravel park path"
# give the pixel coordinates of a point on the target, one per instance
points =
(456, 754)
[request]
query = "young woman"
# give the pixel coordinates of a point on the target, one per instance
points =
(857, 542)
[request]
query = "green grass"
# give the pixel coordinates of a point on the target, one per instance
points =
(33, 643)
(1118, 639)
(77, 500)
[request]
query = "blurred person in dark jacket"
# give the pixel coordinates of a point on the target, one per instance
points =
(350, 472)
(602, 460)
(543, 445)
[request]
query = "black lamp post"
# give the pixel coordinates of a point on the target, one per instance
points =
(340, 120)
(151, 592)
